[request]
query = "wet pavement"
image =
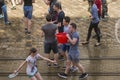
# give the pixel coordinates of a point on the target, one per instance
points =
(101, 63)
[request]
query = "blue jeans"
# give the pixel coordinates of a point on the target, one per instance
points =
(4, 10)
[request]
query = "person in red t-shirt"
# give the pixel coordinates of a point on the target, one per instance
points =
(99, 5)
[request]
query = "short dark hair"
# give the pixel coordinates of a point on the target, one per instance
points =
(58, 5)
(67, 19)
(73, 25)
(33, 50)
(49, 18)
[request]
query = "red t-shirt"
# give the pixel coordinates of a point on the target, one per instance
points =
(99, 5)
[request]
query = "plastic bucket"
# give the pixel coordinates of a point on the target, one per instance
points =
(62, 38)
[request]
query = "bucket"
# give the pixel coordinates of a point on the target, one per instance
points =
(62, 38)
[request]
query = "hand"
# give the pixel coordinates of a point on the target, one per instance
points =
(54, 61)
(15, 72)
(59, 44)
(68, 36)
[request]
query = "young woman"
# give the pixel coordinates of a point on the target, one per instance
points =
(31, 69)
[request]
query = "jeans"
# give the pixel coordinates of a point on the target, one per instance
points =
(4, 10)
(96, 29)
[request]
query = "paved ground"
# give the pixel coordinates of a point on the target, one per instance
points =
(102, 63)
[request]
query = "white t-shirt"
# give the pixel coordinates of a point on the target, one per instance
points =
(31, 64)
(66, 29)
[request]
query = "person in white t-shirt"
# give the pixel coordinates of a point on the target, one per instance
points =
(31, 69)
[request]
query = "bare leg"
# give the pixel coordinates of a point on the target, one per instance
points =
(47, 55)
(26, 22)
(29, 25)
(56, 56)
(33, 78)
(38, 76)
(68, 64)
(80, 67)
(13, 3)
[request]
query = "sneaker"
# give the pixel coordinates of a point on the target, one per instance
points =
(62, 75)
(97, 44)
(55, 65)
(13, 8)
(29, 32)
(1, 16)
(26, 30)
(73, 69)
(8, 23)
(83, 76)
(85, 43)
(49, 64)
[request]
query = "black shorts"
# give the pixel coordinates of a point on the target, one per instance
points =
(50, 46)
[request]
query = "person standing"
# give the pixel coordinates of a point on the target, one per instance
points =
(93, 24)
(50, 42)
(58, 8)
(73, 55)
(4, 10)
(28, 10)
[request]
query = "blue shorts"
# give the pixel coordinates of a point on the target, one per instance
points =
(28, 12)
(65, 47)
(74, 57)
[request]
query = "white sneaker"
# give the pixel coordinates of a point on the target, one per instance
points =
(1, 16)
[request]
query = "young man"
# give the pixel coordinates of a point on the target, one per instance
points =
(57, 7)
(28, 9)
(50, 42)
(93, 24)
(4, 10)
(66, 47)
(73, 56)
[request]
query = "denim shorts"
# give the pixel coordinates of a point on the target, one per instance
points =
(28, 12)
(65, 47)
(74, 57)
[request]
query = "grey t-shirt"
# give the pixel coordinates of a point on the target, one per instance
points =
(49, 31)
(74, 48)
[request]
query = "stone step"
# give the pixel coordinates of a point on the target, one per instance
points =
(91, 66)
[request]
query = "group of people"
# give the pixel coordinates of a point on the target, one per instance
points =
(57, 22)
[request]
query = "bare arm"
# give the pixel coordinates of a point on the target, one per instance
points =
(20, 67)
(72, 41)
(44, 58)
(42, 34)
(47, 2)
(21, 2)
